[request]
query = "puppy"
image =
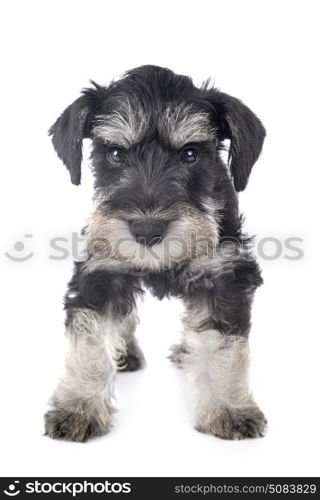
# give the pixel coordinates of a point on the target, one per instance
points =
(165, 218)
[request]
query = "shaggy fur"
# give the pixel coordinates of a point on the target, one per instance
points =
(165, 218)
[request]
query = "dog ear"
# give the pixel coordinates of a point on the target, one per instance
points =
(246, 133)
(67, 134)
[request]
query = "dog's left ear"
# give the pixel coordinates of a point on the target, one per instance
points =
(67, 134)
(246, 133)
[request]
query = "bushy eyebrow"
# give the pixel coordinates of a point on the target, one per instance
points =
(183, 125)
(123, 127)
(177, 124)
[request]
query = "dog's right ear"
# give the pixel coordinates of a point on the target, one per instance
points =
(67, 134)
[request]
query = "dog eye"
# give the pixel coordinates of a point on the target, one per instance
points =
(189, 155)
(115, 154)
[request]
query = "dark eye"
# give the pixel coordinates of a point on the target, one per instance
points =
(115, 154)
(189, 155)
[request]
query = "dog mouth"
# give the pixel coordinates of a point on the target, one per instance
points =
(151, 241)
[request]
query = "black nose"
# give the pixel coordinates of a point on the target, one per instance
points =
(148, 231)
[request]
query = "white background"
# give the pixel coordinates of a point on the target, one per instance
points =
(264, 52)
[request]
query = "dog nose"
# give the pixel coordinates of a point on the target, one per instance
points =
(148, 231)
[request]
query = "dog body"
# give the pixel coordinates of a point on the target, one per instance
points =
(165, 218)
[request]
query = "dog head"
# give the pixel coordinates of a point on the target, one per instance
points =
(162, 189)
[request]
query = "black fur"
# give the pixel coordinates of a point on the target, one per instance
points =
(101, 288)
(228, 294)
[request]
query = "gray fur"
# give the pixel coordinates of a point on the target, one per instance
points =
(132, 358)
(216, 366)
(124, 127)
(182, 125)
(82, 405)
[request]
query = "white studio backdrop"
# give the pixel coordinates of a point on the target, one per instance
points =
(266, 54)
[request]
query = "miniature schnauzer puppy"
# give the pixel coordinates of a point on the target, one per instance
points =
(165, 218)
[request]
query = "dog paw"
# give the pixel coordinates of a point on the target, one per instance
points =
(235, 423)
(178, 354)
(74, 426)
(133, 359)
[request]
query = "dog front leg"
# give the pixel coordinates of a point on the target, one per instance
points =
(215, 355)
(82, 403)
(98, 305)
